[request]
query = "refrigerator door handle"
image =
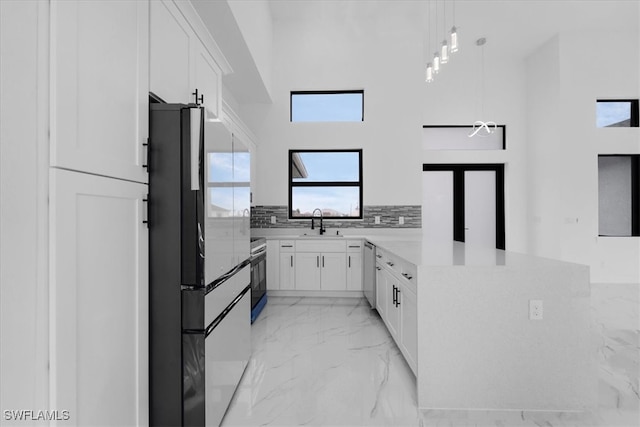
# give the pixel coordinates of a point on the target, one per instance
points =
(195, 126)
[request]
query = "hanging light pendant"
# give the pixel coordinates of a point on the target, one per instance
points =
(454, 39)
(436, 63)
(444, 54)
(429, 73)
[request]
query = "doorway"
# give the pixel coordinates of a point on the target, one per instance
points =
(466, 202)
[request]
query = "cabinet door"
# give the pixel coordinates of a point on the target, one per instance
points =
(393, 308)
(334, 271)
(99, 299)
(273, 264)
(409, 326)
(207, 78)
(287, 272)
(381, 292)
(354, 271)
(99, 87)
(307, 271)
(170, 47)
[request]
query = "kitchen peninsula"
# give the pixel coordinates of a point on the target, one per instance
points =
(480, 345)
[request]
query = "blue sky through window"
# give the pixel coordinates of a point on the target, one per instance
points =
(326, 107)
(609, 113)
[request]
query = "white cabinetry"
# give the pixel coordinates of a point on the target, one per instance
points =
(396, 303)
(207, 78)
(99, 87)
(321, 265)
(273, 265)
(287, 265)
(99, 299)
(307, 277)
(354, 265)
(409, 329)
(328, 265)
(180, 61)
(170, 50)
(333, 271)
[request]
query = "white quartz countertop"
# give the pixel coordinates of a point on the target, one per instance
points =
(424, 252)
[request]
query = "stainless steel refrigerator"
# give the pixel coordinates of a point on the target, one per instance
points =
(199, 277)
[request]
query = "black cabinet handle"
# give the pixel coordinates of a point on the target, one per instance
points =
(397, 297)
(318, 261)
(322, 261)
(394, 294)
(349, 261)
(291, 260)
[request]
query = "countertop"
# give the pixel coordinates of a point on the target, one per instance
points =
(421, 251)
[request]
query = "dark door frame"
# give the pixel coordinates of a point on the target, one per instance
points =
(458, 195)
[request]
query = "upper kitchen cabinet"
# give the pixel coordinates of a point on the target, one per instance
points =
(184, 57)
(99, 87)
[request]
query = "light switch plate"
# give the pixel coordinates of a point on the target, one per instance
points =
(376, 219)
(401, 220)
(273, 219)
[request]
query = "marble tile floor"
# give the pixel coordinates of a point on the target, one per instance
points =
(331, 362)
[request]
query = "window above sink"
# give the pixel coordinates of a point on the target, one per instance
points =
(330, 180)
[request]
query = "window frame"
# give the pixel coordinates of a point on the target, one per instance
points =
(324, 92)
(359, 183)
(634, 119)
(635, 195)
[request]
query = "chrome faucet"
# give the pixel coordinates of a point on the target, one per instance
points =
(313, 215)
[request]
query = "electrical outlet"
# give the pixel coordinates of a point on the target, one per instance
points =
(376, 219)
(401, 220)
(273, 219)
(535, 309)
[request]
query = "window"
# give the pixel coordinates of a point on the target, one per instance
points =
(619, 195)
(327, 106)
(456, 137)
(616, 113)
(330, 180)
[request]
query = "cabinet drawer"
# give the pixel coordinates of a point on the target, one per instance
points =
(354, 245)
(287, 246)
(320, 246)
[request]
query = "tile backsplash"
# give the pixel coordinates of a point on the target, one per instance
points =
(389, 217)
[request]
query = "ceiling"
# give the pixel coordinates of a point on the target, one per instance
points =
(515, 27)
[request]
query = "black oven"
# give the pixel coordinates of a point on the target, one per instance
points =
(258, 276)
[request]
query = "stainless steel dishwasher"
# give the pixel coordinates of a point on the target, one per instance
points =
(369, 284)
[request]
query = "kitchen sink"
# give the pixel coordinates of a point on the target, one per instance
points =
(318, 236)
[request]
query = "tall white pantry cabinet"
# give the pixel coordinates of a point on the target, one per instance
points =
(73, 257)
(98, 289)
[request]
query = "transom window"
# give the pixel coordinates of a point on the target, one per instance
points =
(617, 113)
(329, 180)
(327, 106)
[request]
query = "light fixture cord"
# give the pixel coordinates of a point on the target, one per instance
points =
(482, 83)
(444, 19)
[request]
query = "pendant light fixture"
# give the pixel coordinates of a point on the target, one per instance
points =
(436, 55)
(429, 76)
(444, 50)
(482, 128)
(454, 32)
(429, 70)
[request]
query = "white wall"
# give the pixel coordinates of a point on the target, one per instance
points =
(455, 98)
(255, 23)
(24, 158)
(369, 53)
(564, 80)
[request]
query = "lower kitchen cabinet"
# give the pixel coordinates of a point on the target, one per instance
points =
(354, 271)
(99, 299)
(287, 279)
(396, 303)
(381, 291)
(409, 326)
(307, 277)
(320, 271)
